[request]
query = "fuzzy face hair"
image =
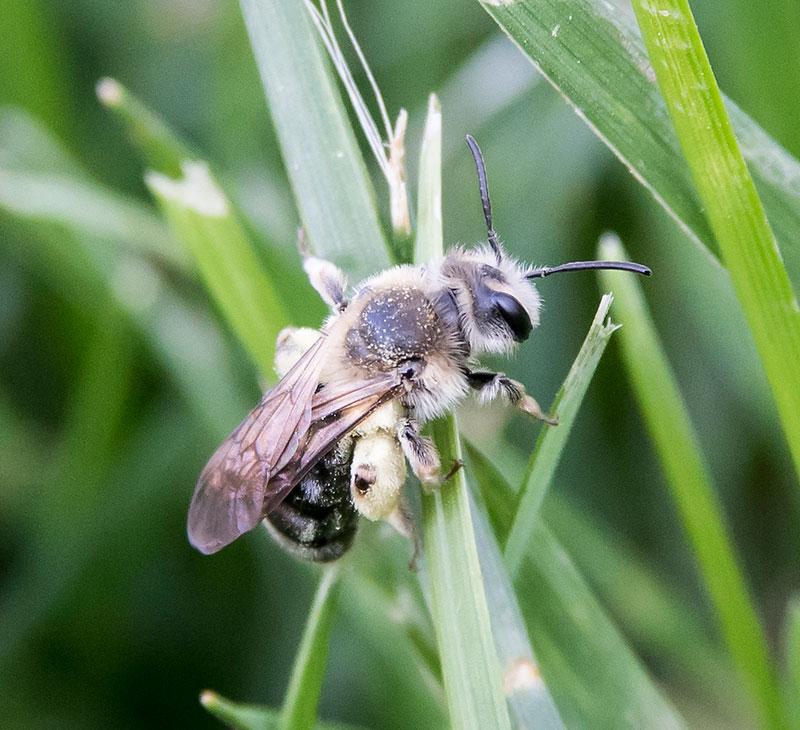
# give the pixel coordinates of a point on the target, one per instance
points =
(477, 279)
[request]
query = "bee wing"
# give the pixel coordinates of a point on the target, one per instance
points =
(230, 493)
(335, 414)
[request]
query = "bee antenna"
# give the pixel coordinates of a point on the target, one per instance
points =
(541, 271)
(483, 186)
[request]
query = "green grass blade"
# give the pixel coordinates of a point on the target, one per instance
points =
(592, 52)
(594, 676)
(529, 699)
(792, 653)
(330, 182)
(655, 616)
(731, 202)
(161, 147)
(302, 696)
(676, 443)
(470, 667)
(75, 257)
(253, 717)
(552, 439)
(201, 216)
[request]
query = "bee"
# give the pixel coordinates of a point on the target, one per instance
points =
(330, 441)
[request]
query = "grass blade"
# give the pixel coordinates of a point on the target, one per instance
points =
(201, 215)
(730, 199)
(793, 661)
(675, 441)
(162, 149)
(253, 717)
(552, 440)
(592, 52)
(300, 706)
(330, 182)
(470, 667)
(76, 258)
(529, 699)
(594, 676)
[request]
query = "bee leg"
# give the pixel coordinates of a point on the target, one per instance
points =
(402, 521)
(421, 454)
(290, 345)
(327, 278)
(493, 385)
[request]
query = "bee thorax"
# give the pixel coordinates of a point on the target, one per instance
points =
(395, 325)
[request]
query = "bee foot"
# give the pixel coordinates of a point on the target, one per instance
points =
(457, 464)
(532, 408)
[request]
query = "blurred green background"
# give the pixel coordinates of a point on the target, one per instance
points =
(107, 616)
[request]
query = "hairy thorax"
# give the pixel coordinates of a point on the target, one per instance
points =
(394, 326)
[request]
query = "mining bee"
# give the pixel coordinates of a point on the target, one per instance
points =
(330, 441)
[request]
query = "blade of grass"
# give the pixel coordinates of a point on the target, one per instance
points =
(40, 181)
(661, 622)
(676, 443)
(75, 257)
(253, 717)
(429, 195)
(470, 666)
(592, 53)
(302, 696)
(201, 216)
(328, 175)
(552, 440)
(731, 203)
(792, 649)
(594, 676)
(459, 609)
(529, 699)
(161, 147)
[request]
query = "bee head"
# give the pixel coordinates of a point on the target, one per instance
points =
(498, 304)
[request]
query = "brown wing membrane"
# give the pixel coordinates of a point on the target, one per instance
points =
(352, 405)
(229, 497)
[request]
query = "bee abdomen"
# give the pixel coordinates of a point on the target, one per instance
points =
(318, 520)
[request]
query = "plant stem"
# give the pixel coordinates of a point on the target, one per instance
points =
(302, 697)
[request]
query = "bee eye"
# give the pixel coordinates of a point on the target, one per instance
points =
(514, 315)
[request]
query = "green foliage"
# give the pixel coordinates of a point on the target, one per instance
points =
(728, 194)
(125, 335)
(551, 442)
(330, 182)
(674, 438)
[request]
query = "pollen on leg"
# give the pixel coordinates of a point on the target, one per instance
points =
(364, 477)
